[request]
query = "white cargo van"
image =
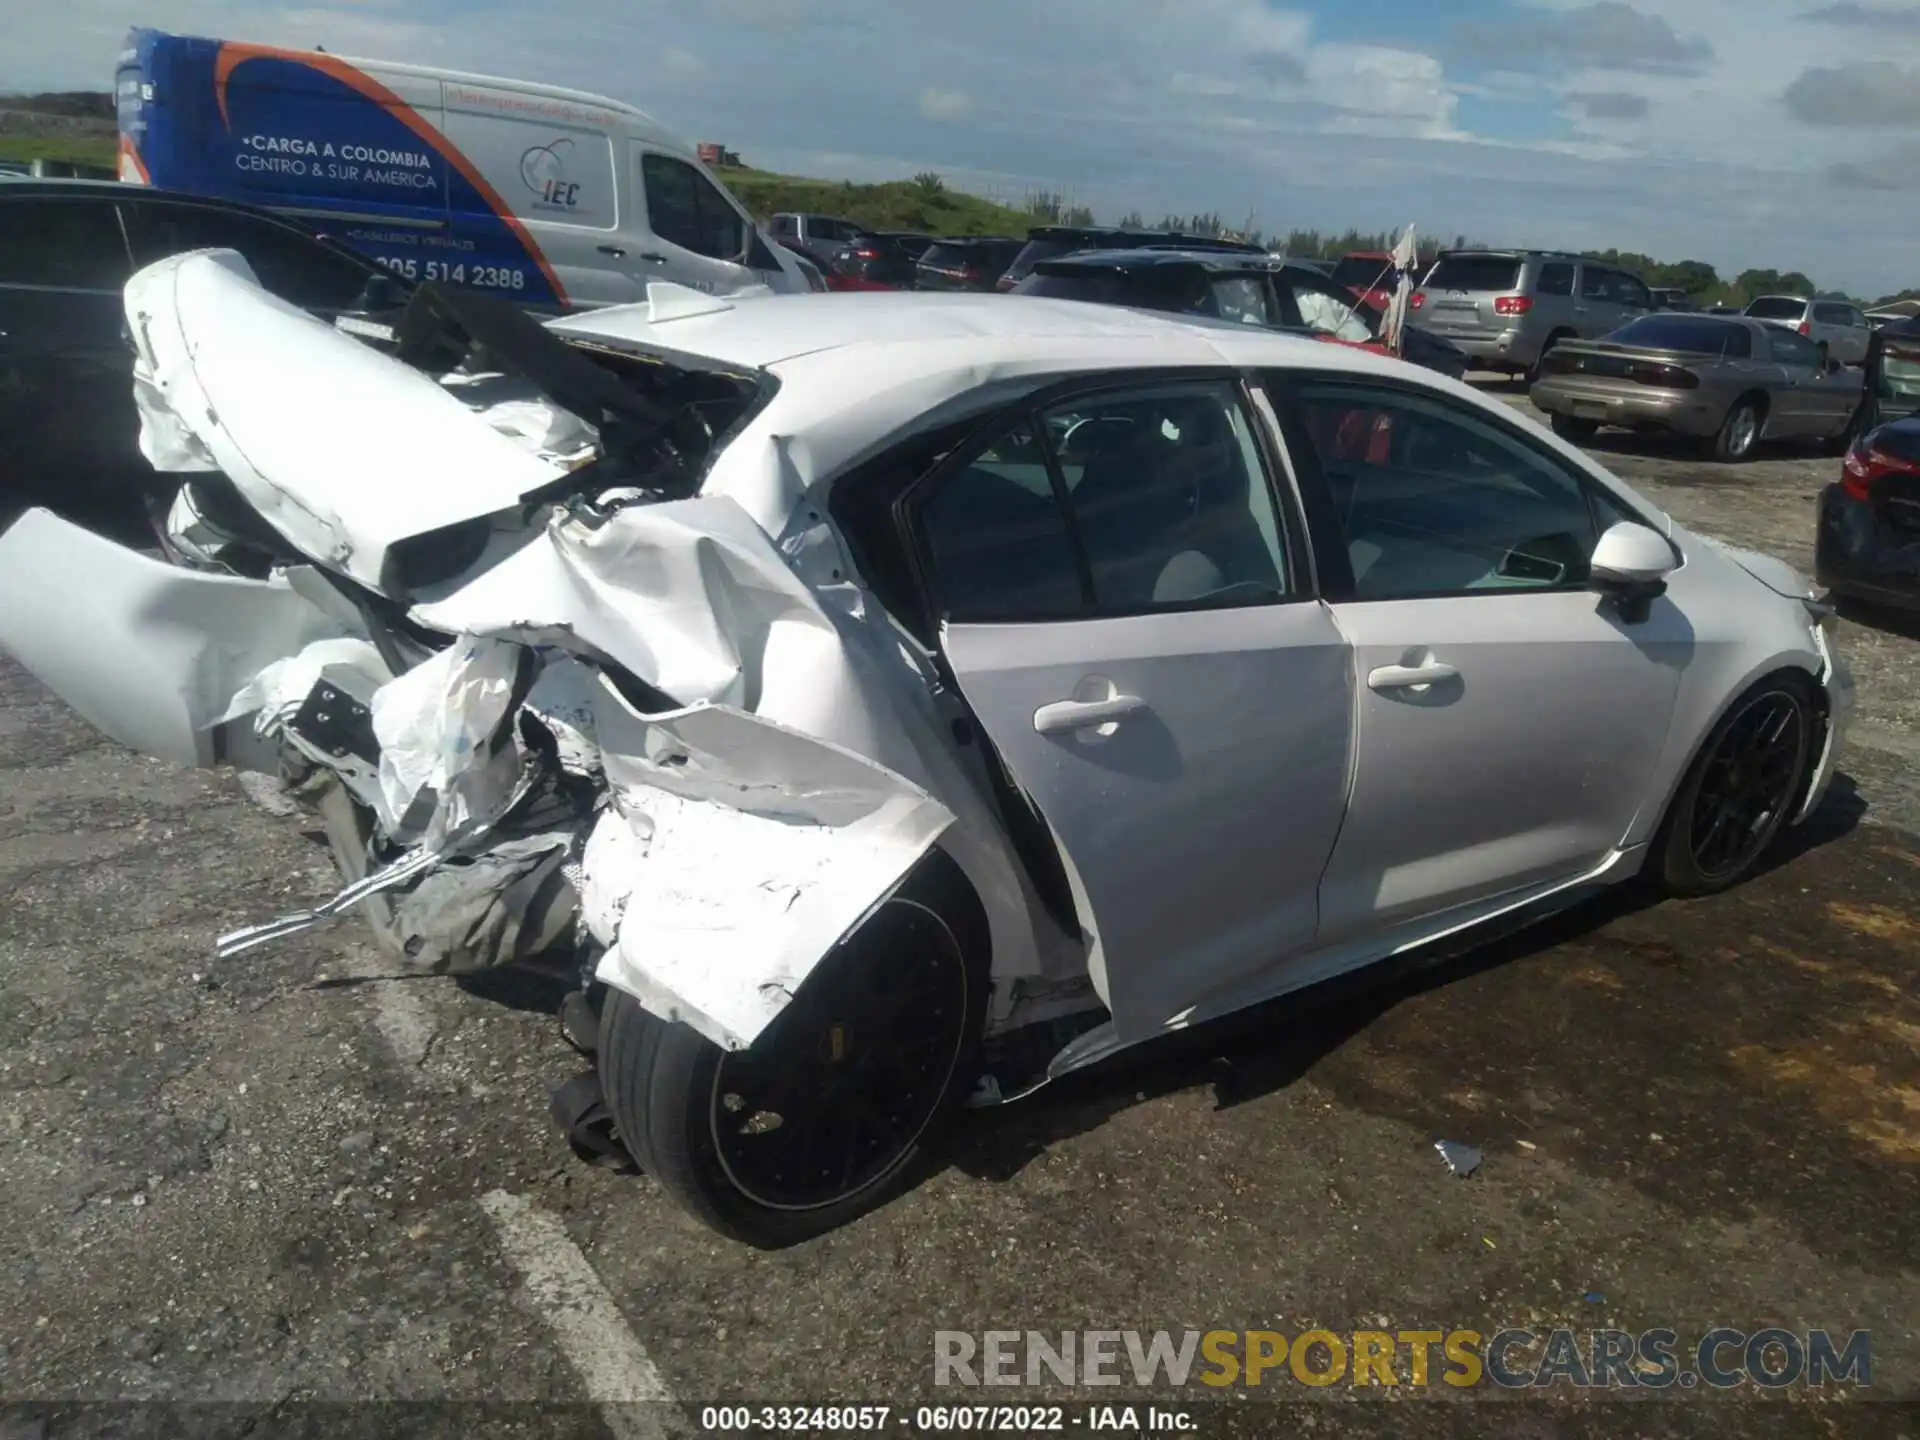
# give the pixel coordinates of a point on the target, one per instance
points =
(553, 197)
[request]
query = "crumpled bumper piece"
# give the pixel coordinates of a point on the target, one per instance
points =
(147, 652)
(736, 854)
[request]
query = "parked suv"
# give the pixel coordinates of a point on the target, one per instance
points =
(69, 431)
(1048, 242)
(1507, 308)
(818, 237)
(973, 263)
(1839, 329)
(883, 260)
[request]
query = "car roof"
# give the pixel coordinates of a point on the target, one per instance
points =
(1213, 260)
(770, 331)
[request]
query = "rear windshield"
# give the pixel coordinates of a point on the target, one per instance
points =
(1777, 307)
(1038, 250)
(980, 255)
(1102, 287)
(1359, 274)
(1677, 332)
(1476, 272)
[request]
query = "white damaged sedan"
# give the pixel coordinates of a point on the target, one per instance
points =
(874, 690)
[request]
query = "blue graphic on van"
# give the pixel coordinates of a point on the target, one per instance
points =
(543, 170)
(310, 135)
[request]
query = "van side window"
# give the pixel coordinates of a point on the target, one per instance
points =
(684, 209)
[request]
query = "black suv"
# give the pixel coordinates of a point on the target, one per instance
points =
(1248, 289)
(883, 260)
(69, 431)
(1047, 242)
(972, 263)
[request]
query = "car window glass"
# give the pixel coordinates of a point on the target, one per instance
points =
(783, 225)
(288, 263)
(1329, 314)
(1435, 501)
(685, 209)
(1629, 291)
(998, 539)
(1241, 298)
(1169, 499)
(1739, 343)
(1556, 278)
(1777, 307)
(1595, 283)
(1792, 348)
(65, 244)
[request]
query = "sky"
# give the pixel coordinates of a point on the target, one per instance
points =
(1765, 133)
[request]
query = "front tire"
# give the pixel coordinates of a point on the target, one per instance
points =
(1735, 800)
(1739, 432)
(826, 1114)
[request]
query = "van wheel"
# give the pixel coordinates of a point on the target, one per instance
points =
(1743, 785)
(823, 1117)
(1575, 430)
(1739, 431)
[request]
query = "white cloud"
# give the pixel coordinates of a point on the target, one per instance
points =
(938, 104)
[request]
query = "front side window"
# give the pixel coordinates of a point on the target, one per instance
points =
(1241, 298)
(292, 265)
(62, 244)
(1433, 500)
(1595, 283)
(1630, 292)
(685, 209)
(1121, 503)
(1333, 315)
(1793, 348)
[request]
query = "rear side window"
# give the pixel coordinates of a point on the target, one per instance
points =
(1373, 272)
(1777, 307)
(1833, 314)
(288, 262)
(685, 209)
(1556, 278)
(1118, 504)
(62, 245)
(1791, 348)
(1475, 272)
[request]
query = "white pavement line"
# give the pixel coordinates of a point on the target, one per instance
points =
(562, 1289)
(400, 1013)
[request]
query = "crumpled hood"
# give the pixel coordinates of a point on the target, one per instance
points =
(343, 450)
(1776, 575)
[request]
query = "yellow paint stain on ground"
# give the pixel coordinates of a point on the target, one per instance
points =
(1879, 921)
(1596, 976)
(1882, 985)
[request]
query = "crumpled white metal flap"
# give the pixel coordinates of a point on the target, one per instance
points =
(736, 855)
(345, 451)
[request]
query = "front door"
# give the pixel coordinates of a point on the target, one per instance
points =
(1125, 609)
(1508, 718)
(689, 234)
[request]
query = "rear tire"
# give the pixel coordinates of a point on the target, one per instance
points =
(1742, 787)
(830, 1110)
(1739, 432)
(1575, 430)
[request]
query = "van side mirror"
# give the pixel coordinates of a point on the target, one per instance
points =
(1630, 565)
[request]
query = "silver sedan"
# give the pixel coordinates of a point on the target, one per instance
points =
(853, 680)
(1726, 379)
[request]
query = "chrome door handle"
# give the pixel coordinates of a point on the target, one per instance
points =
(1409, 677)
(1064, 715)
(618, 251)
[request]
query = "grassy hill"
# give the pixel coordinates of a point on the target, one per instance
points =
(85, 149)
(923, 203)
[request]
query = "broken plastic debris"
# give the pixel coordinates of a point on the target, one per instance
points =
(1462, 1160)
(1594, 1297)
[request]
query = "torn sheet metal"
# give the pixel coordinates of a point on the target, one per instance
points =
(523, 415)
(437, 726)
(245, 373)
(149, 653)
(689, 595)
(735, 855)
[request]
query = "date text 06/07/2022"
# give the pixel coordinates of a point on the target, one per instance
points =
(943, 1419)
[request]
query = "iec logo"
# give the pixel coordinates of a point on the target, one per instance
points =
(543, 170)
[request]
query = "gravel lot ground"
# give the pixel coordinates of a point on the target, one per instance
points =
(286, 1181)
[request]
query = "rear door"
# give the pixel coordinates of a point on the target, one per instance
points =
(1126, 610)
(66, 388)
(1507, 718)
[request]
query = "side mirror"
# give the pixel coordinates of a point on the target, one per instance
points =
(1630, 565)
